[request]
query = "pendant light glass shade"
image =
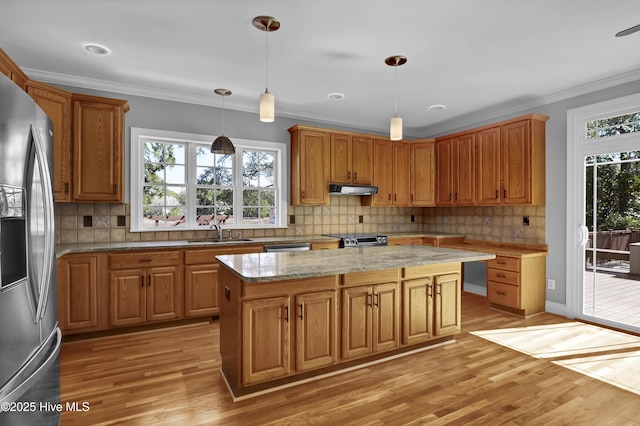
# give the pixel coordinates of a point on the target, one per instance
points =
(222, 144)
(267, 107)
(395, 125)
(267, 100)
(395, 129)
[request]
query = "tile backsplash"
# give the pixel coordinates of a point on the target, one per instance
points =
(89, 223)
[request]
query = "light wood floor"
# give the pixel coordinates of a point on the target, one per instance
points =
(170, 377)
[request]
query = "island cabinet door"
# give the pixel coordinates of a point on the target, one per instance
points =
(417, 301)
(316, 330)
(265, 339)
(447, 304)
(386, 316)
(357, 310)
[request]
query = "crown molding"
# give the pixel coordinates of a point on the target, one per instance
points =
(454, 124)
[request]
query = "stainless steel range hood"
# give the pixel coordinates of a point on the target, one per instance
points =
(336, 189)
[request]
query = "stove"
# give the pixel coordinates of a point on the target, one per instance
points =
(360, 240)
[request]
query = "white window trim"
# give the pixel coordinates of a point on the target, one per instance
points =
(137, 176)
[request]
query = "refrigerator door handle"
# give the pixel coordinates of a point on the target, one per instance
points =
(49, 223)
(17, 386)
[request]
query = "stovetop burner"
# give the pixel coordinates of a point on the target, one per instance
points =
(352, 240)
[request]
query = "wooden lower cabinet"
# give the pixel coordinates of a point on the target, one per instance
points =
(265, 339)
(430, 303)
(517, 284)
(78, 278)
(274, 329)
(145, 287)
(145, 295)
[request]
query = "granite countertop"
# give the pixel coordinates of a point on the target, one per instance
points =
(498, 248)
(62, 249)
(264, 267)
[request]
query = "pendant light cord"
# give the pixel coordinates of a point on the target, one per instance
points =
(222, 115)
(267, 57)
(396, 87)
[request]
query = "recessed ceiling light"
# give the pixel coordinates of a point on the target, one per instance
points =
(436, 107)
(335, 96)
(96, 49)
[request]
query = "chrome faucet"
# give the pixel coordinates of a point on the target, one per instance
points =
(216, 226)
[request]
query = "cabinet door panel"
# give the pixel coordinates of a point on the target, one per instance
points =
(316, 330)
(386, 323)
(401, 169)
(57, 104)
(417, 311)
(201, 290)
(423, 179)
(356, 322)
(128, 297)
(163, 298)
(362, 154)
(444, 196)
(516, 163)
(314, 175)
(489, 168)
(382, 172)
(265, 339)
(340, 158)
(464, 170)
(447, 316)
(80, 292)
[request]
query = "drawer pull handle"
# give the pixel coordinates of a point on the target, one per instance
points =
(501, 293)
(144, 260)
(501, 276)
(286, 313)
(301, 311)
(501, 262)
(370, 300)
(377, 299)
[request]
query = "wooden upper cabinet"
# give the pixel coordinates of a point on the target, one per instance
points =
(98, 148)
(310, 166)
(464, 170)
(456, 170)
(351, 159)
(489, 167)
(341, 158)
(57, 104)
(12, 70)
(444, 174)
(362, 153)
(523, 161)
(382, 174)
(422, 173)
(401, 172)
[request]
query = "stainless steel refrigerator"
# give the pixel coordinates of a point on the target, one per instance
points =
(29, 334)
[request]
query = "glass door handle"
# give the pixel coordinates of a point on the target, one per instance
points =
(584, 235)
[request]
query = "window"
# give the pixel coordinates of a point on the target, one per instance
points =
(178, 184)
(612, 126)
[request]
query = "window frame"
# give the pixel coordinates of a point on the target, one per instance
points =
(192, 140)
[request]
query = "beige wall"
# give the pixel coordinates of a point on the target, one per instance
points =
(489, 223)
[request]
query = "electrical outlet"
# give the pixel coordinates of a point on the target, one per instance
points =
(551, 284)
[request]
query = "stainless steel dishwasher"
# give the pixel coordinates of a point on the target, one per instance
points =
(287, 247)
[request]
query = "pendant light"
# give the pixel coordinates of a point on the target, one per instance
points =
(222, 144)
(267, 100)
(395, 126)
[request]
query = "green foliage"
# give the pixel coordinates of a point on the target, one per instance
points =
(618, 191)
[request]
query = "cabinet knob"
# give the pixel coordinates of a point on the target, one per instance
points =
(355, 175)
(348, 175)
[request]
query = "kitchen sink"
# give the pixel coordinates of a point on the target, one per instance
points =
(218, 240)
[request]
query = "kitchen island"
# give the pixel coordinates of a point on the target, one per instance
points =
(289, 317)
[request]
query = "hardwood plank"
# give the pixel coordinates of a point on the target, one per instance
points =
(171, 376)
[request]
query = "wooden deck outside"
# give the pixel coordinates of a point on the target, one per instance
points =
(617, 296)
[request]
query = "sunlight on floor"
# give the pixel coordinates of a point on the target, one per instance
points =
(602, 354)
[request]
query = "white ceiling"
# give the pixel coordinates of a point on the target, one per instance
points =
(486, 57)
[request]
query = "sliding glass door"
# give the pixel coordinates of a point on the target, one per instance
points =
(603, 213)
